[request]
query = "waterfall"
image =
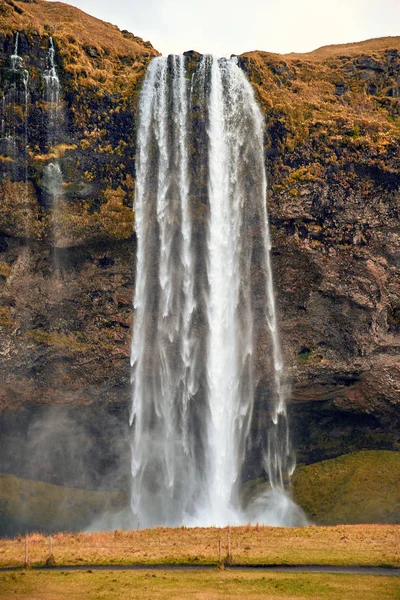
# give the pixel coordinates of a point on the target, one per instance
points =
(17, 66)
(52, 92)
(16, 94)
(207, 371)
(52, 175)
(164, 465)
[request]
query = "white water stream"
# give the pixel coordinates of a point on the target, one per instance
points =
(207, 371)
(52, 175)
(12, 120)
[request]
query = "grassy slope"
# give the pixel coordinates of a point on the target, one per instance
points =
(299, 90)
(363, 487)
(351, 49)
(42, 506)
(341, 545)
(81, 38)
(201, 585)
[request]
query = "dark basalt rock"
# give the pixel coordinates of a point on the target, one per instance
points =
(366, 62)
(340, 89)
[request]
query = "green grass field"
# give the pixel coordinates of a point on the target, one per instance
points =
(362, 487)
(206, 585)
(364, 483)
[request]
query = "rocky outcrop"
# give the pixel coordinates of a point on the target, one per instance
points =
(67, 277)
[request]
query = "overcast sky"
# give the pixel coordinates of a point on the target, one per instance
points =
(231, 26)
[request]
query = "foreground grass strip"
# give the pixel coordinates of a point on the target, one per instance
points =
(91, 585)
(377, 545)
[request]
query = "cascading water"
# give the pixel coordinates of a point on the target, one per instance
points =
(52, 175)
(52, 92)
(164, 464)
(17, 94)
(207, 371)
(17, 66)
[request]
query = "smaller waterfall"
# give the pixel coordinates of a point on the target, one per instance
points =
(52, 175)
(3, 121)
(17, 66)
(16, 60)
(14, 122)
(52, 92)
(52, 182)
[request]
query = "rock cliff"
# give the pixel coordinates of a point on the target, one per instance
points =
(332, 148)
(67, 276)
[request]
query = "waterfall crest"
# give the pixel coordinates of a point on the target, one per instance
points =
(207, 372)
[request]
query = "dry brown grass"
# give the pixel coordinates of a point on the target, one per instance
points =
(88, 47)
(21, 215)
(113, 220)
(54, 153)
(341, 545)
(60, 19)
(301, 88)
(352, 49)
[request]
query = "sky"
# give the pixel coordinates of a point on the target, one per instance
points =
(225, 27)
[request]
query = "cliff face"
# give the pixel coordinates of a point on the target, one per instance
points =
(67, 268)
(332, 139)
(67, 247)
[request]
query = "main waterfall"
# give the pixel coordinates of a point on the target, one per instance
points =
(207, 373)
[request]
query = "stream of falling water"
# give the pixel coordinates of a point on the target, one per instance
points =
(52, 175)
(15, 95)
(17, 65)
(207, 372)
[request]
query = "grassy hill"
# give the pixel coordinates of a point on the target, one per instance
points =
(363, 487)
